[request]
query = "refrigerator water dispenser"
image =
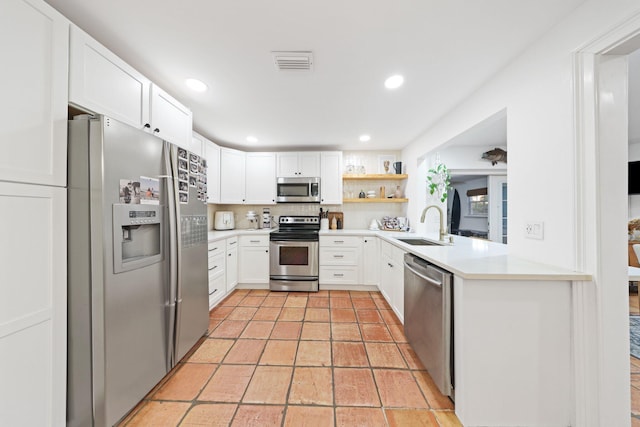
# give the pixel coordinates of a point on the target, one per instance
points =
(137, 236)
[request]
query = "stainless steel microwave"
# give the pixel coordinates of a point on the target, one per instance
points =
(298, 190)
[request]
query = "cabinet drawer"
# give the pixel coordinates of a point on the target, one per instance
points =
(347, 275)
(217, 247)
(216, 264)
(217, 285)
(386, 248)
(340, 241)
(339, 256)
(232, 242)
(257, 240)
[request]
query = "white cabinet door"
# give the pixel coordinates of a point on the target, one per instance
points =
(232, 176)
(260, 179)
(397, 297)
(287, 164)
(297, 164)
(232, 268)
(170, 120)
(212, 154)
(254, 262)
(370, 261)
(101, 82)
(331, 177)
(309, 164)
(197, 144)
(33, 311)
(33, 112)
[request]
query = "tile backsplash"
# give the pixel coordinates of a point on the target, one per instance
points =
(356, 215)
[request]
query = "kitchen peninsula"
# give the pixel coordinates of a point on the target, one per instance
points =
(512, 326)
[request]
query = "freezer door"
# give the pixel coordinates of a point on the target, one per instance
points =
(189, 241)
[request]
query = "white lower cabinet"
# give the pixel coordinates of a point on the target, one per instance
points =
(392, 277)
(33, 312)
(254, 259)
(370, 261)
(340, 260)
(217, 278)
(231, 265)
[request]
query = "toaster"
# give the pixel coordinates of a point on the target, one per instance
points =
(224, 220)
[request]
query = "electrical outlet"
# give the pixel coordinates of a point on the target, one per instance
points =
(534, 230)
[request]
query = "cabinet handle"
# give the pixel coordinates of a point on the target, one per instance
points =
(254, 241)
(232, 243)
(390, 265)
(338, 274)
(338, 241)
(338, 256)
(214, 249)
(214, 267)
(156, 130)
(147, 125)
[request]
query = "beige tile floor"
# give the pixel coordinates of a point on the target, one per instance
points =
(332, 358)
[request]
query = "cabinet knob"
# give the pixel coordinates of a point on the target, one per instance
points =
(147, 125)
(156, 130)
(267, 251)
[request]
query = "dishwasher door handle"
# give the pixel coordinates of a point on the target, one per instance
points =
(422, 276)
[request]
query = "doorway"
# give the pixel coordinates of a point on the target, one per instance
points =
(601, 311)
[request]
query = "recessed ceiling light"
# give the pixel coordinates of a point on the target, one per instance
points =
(197, 85)
(252, 139)
(394, 82)
(365, 138)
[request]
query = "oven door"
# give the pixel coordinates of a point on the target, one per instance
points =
(293, 260)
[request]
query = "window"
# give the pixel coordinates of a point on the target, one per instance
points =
(478, 202)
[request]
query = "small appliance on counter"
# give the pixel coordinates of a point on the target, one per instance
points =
(266, 218)
(252, 217)
(224, 220)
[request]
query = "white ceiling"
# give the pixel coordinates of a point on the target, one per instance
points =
(445, 49)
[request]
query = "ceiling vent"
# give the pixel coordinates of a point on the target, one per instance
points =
(293, 60)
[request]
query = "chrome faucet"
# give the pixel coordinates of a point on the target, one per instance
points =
(442, 230)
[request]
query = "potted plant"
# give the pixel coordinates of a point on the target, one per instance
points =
(438, 179)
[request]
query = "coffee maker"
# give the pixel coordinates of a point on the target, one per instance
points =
(266, 218)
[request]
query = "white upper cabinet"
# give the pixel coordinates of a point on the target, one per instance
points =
(197, 144)
(299, 164)
(232, 176)
(33, 112)
(260, 178)
(212, 154)
(170, 120)
(101, 82)
(331, 177)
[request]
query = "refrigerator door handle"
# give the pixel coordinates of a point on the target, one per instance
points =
(174, 244)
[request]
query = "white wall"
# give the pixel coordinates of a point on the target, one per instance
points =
(537, 92)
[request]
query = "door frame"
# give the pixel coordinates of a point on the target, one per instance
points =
(600, 308)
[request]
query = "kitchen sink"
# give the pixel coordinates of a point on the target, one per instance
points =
(419, 242)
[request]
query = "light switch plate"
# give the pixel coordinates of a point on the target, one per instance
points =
(534, 230)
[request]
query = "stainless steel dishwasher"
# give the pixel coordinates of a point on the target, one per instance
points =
(428, 318)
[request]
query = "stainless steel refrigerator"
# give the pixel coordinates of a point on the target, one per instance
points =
(137, 265)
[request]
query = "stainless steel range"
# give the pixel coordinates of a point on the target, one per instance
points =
(294, 254)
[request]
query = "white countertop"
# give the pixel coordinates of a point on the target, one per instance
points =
(472, 258)
(467, 257)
